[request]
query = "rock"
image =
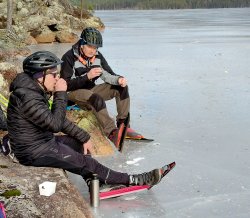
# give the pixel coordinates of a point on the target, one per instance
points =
(87, 120)
(34, 22)
(65, 202)
(19, 6)
(30, 41)
(36, 16)
(66, 36)
(24, 12)
(7, 74)
(93, 22)
(46, 36)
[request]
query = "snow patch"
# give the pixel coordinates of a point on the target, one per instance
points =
(156, 143)
(130, 198)
(134, 161)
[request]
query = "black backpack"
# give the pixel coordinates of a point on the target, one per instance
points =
(5, 147)
(3, 123)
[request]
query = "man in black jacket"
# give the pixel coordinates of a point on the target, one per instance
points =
(32, 124)
(82, 66)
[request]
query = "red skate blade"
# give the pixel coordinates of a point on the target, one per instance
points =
(133, 135)
(123, 191)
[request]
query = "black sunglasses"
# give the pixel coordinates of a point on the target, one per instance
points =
(53, 72)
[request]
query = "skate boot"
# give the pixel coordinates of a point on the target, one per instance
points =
(131, 133)
(150, 178)
(116, 135)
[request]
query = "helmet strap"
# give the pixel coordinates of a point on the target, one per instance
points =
(42, 83)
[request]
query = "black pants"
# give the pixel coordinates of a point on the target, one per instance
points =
(67, 154)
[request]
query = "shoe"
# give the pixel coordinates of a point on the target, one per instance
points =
(116, 134)
(150, 178)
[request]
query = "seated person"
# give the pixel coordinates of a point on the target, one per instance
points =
(31, 126)
(82, 65)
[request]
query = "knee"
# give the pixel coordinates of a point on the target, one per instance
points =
(97, 102)
(123, 91)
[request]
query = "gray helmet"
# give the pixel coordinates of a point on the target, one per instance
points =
(91, 36)
(39, 62)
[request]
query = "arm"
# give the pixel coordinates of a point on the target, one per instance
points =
(108, 78)
(108, 74)
(68, 127)
(74, 131)
(36, 110)
(67, 73)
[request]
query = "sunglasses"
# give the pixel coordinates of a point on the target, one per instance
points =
(53, 71)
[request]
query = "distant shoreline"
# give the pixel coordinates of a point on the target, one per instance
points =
(169, 9)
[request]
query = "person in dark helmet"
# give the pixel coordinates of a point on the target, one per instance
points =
(32, 124)
(82, 65)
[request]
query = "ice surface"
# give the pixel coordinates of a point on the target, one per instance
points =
(189, 82)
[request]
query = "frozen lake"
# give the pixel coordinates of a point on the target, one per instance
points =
(189, 79)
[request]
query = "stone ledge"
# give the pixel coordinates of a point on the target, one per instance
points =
(66, 202)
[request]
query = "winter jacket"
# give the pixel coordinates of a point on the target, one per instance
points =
(31, 123)
(75, 72)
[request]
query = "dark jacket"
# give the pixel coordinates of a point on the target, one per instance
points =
(75, 72)
(31, 123)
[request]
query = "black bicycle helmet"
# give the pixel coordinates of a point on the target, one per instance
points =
(91, 36)
(39, 62)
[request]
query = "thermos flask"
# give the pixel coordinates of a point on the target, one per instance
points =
(94, 191)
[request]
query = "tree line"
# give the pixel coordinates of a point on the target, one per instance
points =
(160, 4)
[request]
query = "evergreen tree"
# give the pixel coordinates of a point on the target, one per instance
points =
(162, 4)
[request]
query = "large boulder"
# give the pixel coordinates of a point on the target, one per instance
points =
(46, 36)
(65, 36)
(19, 191)
(87, 120)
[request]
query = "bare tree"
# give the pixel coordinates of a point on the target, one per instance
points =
(81, 8)
(9, 15)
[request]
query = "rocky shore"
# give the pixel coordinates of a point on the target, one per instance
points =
(19, 184)
(19, 191)
(42, 21)
(45, 21)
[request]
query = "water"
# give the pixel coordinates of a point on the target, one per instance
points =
(188, 73)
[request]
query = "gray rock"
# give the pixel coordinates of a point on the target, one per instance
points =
(19, 5)
(65, 202)
(24, 12)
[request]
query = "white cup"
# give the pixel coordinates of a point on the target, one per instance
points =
(47, 188)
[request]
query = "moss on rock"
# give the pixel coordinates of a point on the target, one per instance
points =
(10, 193)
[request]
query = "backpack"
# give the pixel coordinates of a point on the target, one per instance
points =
(3, 123)
(5, 148)
(2, 212)
(5, 145)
